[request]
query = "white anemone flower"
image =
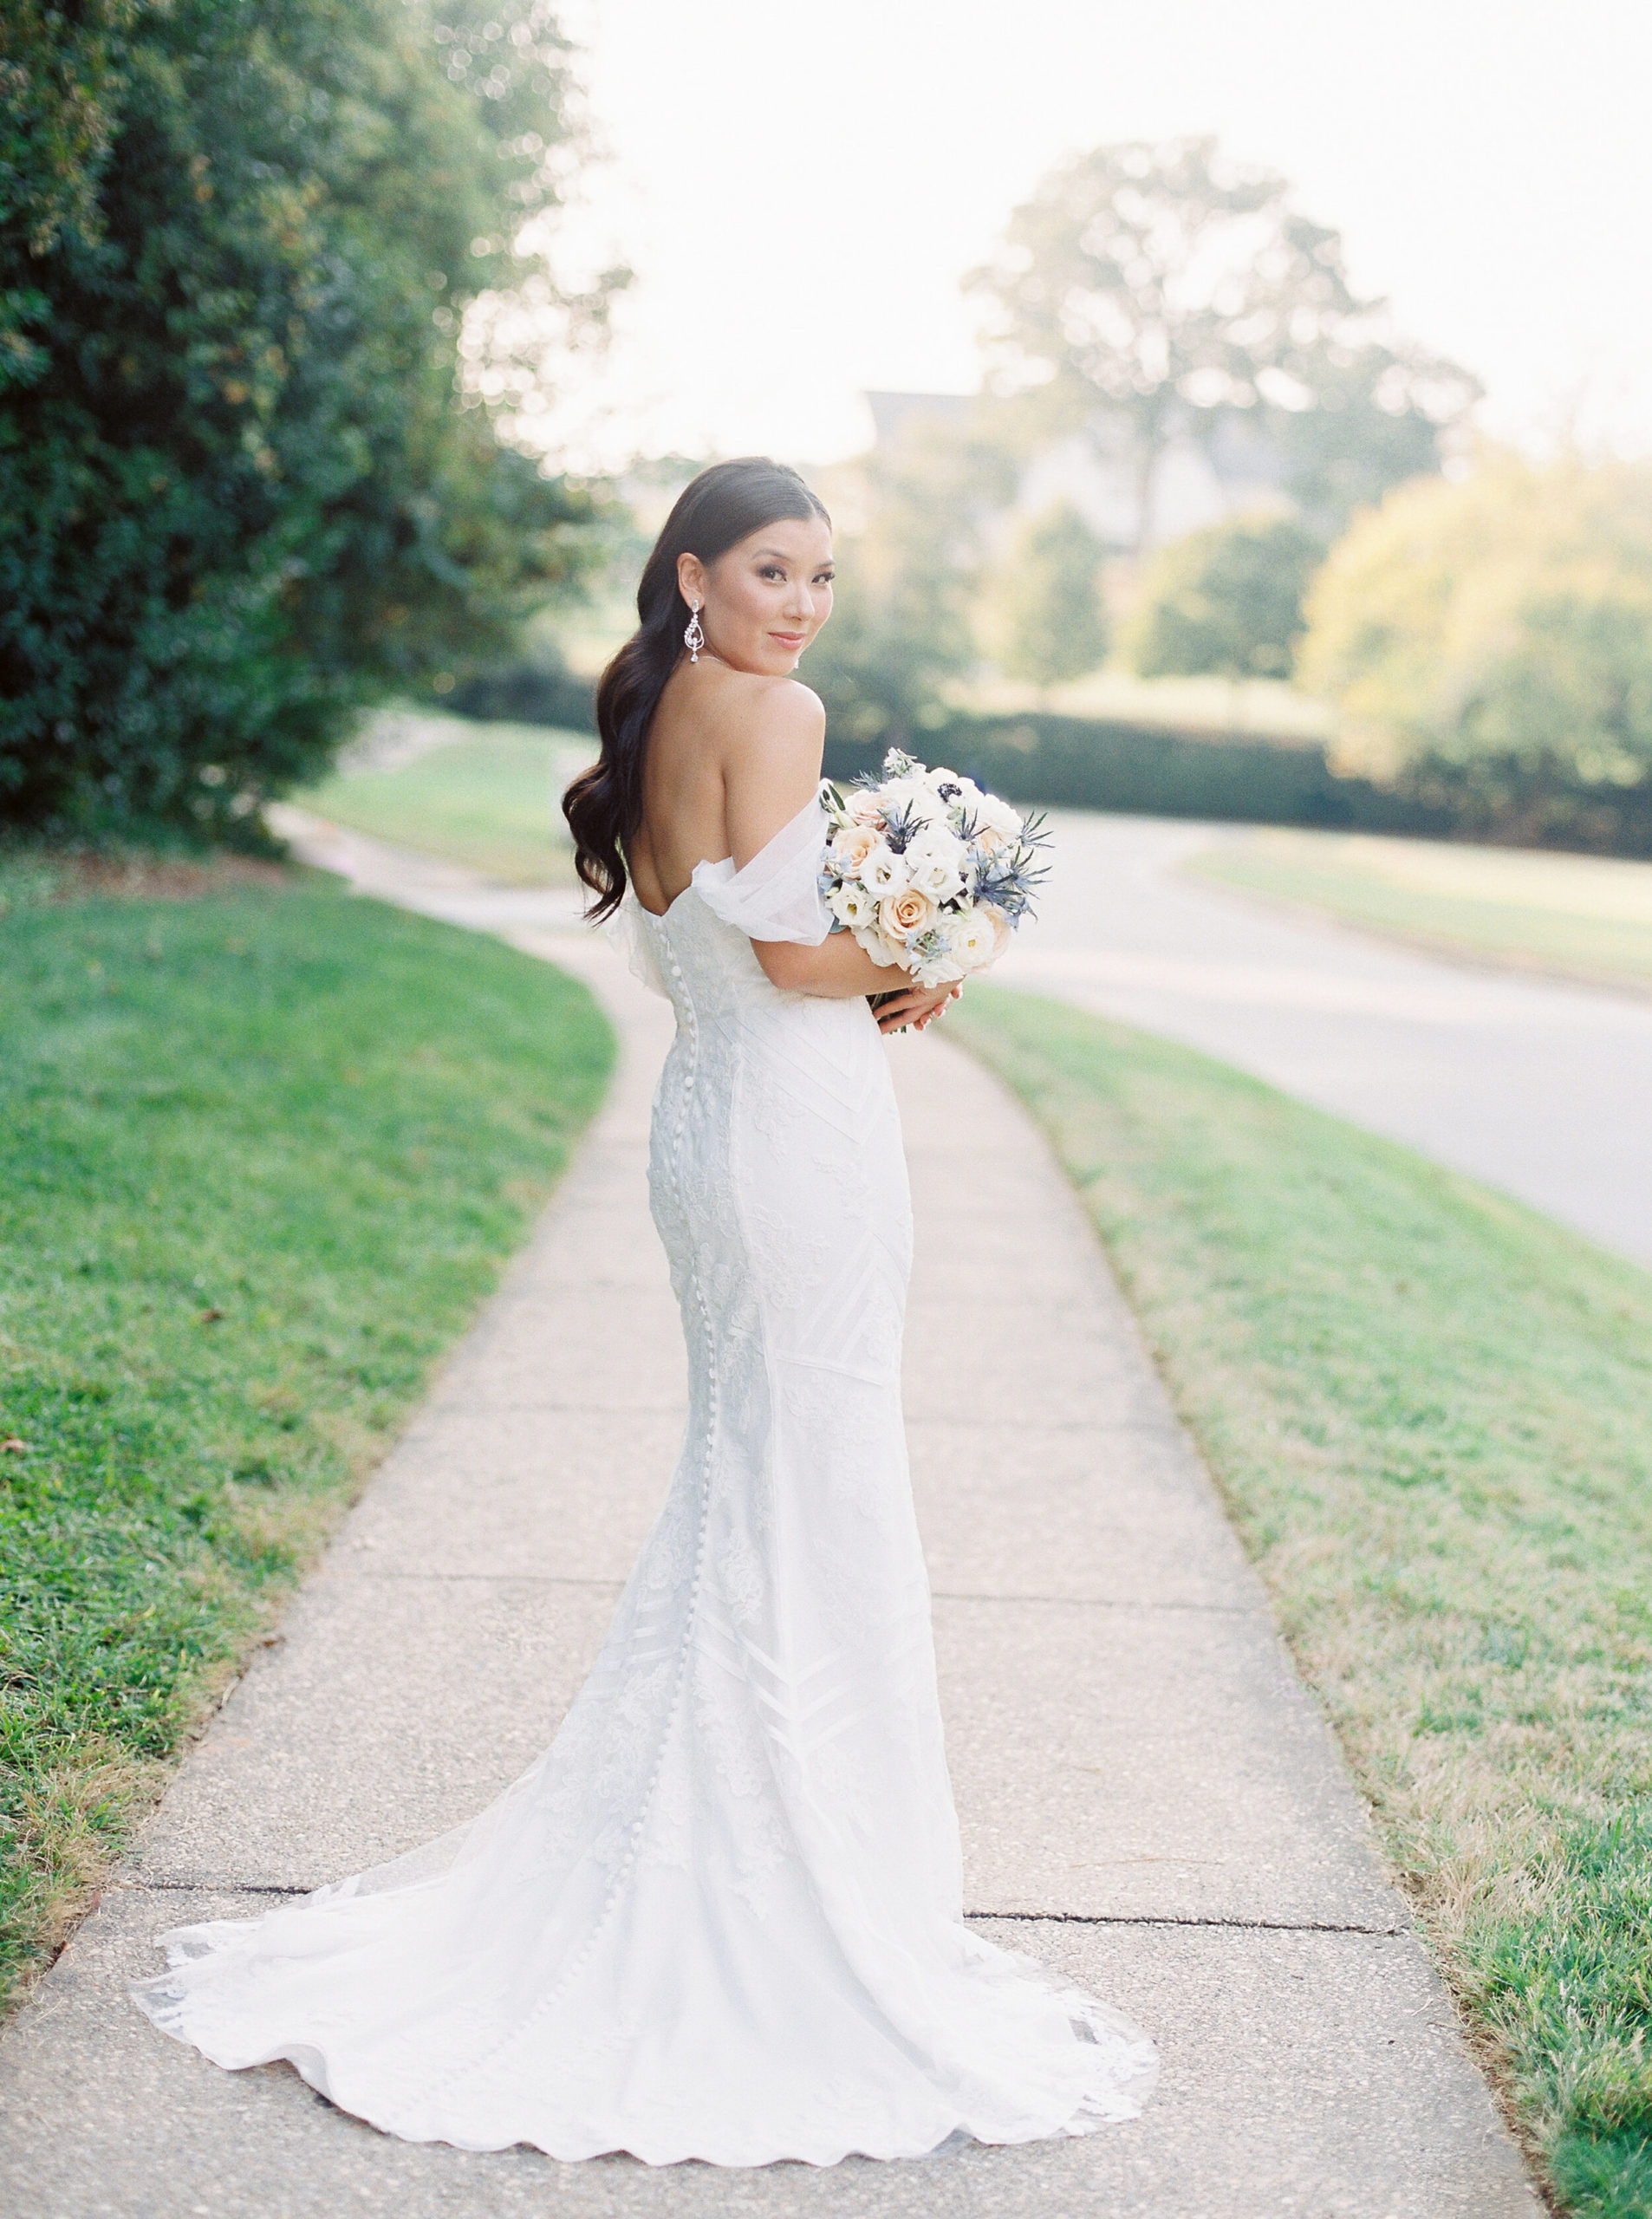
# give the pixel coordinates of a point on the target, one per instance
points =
(852, 904)
(935, 862)
(882, 871)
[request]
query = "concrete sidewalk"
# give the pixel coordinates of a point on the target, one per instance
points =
(1148, 1799)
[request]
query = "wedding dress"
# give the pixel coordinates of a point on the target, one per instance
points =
(721, 1918)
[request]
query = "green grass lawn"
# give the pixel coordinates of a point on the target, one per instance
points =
(488, 798)
(1585, 916)
(262, 1152)
(1430, 1411)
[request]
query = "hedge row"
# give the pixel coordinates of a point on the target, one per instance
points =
(1151, 770)
(1139, 770)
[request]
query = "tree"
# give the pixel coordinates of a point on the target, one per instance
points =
(1226, 602)
(1501, 625)
(239, 494)
(1145, 291)
(906, 579)
(57, 84)
(1048, 602)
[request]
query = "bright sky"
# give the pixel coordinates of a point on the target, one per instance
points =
(800, 188)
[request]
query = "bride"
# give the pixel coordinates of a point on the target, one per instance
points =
(721, 1918)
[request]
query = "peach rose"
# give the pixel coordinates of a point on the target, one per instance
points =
(852, 847)
(901, 914)
(865, 810)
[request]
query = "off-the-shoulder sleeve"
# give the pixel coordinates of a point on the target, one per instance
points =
(628, 936)
(777, 895)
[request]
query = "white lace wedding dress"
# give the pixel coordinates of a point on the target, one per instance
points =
(721, 1917)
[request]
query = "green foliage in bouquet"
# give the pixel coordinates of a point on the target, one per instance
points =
(238, 492)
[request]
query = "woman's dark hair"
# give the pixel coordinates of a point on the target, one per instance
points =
(722, 507)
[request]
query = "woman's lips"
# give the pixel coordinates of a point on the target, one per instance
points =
(788, 639)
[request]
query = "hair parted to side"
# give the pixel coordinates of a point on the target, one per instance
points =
(721, 507)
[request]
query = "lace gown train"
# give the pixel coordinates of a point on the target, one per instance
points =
(721, 1917)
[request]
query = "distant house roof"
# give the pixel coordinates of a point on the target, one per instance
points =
(1217, 464)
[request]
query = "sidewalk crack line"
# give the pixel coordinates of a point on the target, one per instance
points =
(1173, 1918)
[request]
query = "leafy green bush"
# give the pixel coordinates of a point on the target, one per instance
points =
(237, 495)
(1497, 632)
(1227, 601)
(535, 687)
(57, 78)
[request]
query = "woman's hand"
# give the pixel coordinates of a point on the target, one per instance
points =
(916, 1006)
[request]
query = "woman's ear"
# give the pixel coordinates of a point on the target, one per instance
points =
(691, 580)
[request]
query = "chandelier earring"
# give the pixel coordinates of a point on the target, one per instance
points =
(694, 637)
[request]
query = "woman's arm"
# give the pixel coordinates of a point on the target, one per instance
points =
(774, 737)
(775, 742)
(839, 968)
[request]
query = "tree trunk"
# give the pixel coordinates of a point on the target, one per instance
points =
(1146, 463)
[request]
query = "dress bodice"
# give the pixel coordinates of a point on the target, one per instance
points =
(705, 967)
(698, 952)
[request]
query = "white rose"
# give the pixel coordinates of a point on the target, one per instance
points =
(999, 815)
(972, 938)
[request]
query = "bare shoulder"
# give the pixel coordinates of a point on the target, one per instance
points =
(756, 710)
(771, 741)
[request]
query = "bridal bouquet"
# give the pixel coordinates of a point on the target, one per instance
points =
(927, 871)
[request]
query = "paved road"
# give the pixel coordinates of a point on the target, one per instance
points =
(1542, 1088)
(1148, 1799)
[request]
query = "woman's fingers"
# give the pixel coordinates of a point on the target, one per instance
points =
(917, 1006)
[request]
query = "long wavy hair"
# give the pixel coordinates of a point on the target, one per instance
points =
(603, 806)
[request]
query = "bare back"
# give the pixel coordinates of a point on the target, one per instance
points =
(731, 757)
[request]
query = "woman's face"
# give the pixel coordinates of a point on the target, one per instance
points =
(763, 600)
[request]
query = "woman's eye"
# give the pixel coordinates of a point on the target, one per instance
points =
(772, 571)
